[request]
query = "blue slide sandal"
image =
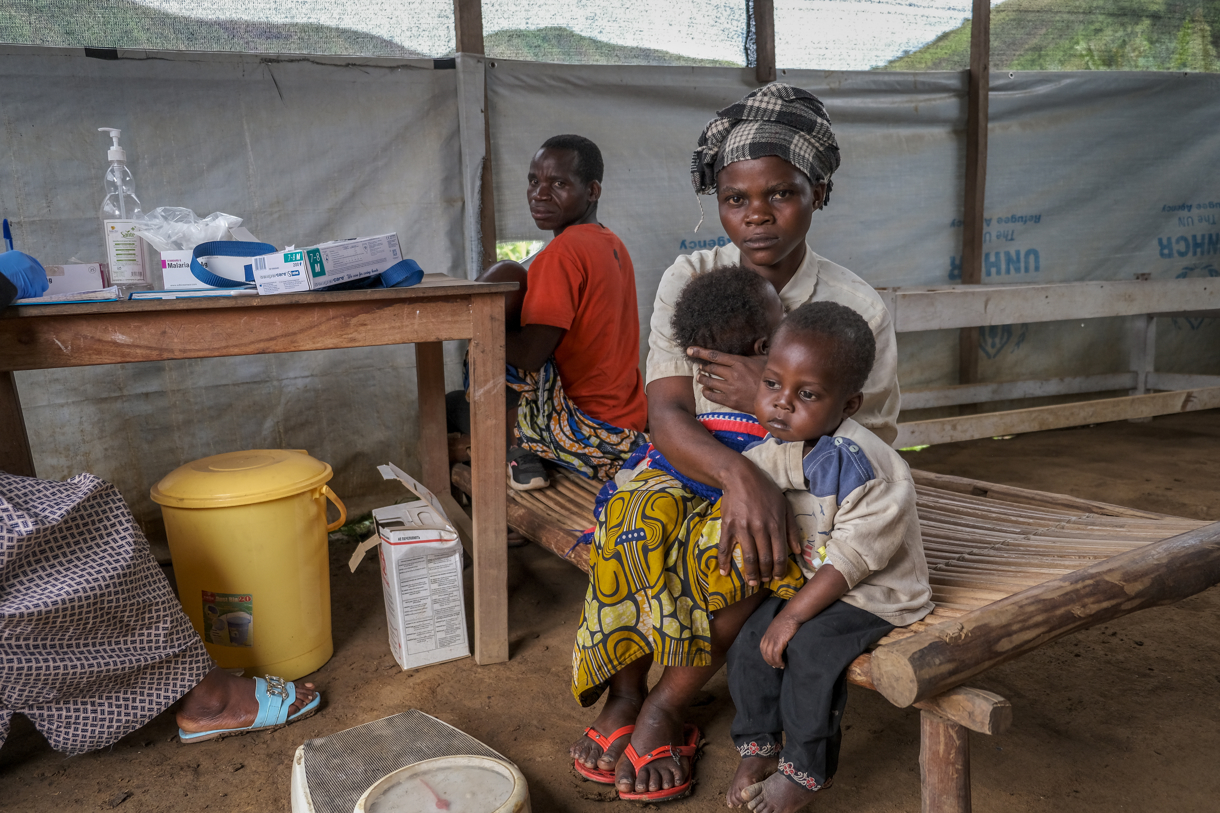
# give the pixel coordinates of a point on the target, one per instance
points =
(275, 696)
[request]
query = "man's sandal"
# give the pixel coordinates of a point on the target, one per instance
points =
(675, 752)
(275, 697)
(596, 774)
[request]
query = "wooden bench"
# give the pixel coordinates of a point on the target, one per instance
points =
(1011, 569)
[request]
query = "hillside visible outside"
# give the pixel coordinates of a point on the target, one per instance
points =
(919, 35)
(134, 25)
(1085, 35)
(656, 32)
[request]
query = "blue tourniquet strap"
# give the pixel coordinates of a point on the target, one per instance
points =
(227, 248)
(402, 274)
(275, 696)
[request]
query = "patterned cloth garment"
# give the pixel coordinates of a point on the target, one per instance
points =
(779, 120)
(737, 430)
(93, 642)
(551, 426)
(655, 581)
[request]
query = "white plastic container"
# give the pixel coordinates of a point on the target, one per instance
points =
(124, 251)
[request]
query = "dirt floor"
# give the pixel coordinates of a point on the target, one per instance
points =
(1124, 716)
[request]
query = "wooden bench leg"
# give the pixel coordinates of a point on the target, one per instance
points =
(944, 765)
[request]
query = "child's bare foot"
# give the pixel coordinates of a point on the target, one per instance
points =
(619, 711)
(654, 726)
(776, 794)
(222, 701)
(750, 771)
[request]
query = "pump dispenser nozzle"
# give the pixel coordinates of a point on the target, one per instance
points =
(115, 153)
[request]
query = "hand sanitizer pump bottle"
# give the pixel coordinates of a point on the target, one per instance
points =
(124, 251)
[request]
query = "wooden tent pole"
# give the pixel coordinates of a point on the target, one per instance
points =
(976, 177)
(764, 41)
(468, 36)
(947, 654)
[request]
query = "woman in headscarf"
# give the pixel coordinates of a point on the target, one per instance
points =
(673, 576)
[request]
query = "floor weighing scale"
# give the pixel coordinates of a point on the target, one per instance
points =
(403, 764)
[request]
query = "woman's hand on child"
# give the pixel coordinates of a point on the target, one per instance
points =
(730, 381)
(757, 517)
(775, 640)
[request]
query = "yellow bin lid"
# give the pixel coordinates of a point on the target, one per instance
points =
(240, 478)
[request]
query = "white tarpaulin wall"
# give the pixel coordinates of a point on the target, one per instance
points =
(1091, 176)
(1086, 175)
(306, 150)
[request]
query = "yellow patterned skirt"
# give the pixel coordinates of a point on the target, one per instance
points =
(654, 583)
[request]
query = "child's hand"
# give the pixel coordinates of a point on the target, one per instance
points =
(776, 639)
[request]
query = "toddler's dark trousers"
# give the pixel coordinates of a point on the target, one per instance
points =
(801, 705)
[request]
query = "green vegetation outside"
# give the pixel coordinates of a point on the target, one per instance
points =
(1075, 35)
(1063, 35)
(516, 250)
(124, 24)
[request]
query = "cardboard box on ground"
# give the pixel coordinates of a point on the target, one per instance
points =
(421, 576)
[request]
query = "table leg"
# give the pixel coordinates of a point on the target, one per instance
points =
(488, 492)
(15, 456)
(433, 445)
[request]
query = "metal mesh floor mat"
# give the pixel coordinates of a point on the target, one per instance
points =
(341, 767)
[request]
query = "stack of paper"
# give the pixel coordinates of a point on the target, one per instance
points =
(103, 295)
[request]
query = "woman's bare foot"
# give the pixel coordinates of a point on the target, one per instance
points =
(776, 794)
(222, 701)
(619, 711)
(656, 725)
(750, 771)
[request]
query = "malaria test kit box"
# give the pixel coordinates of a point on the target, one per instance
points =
(321, 266)
(176, 271)
(421, 576)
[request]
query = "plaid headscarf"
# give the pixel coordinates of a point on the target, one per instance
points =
(779, 120)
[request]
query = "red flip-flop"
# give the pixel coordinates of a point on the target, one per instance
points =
(595, 774)
(693, 738)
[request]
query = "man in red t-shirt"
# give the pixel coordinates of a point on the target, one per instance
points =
(572, 332)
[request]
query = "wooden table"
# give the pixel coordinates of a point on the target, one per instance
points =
(438, 309)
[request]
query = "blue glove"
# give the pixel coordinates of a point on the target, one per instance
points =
(25, 272)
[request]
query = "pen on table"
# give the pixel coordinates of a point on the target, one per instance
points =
(8, 236)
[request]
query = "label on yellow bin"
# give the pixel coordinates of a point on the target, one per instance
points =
(228, 618)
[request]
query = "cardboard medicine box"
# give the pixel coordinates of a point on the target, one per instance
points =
(326, 264)
(176, 271)
(421, 577)
(76, 278)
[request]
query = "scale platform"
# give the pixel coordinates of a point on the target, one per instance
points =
(330, 774)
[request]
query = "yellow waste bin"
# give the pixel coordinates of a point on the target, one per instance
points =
(247, 532)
